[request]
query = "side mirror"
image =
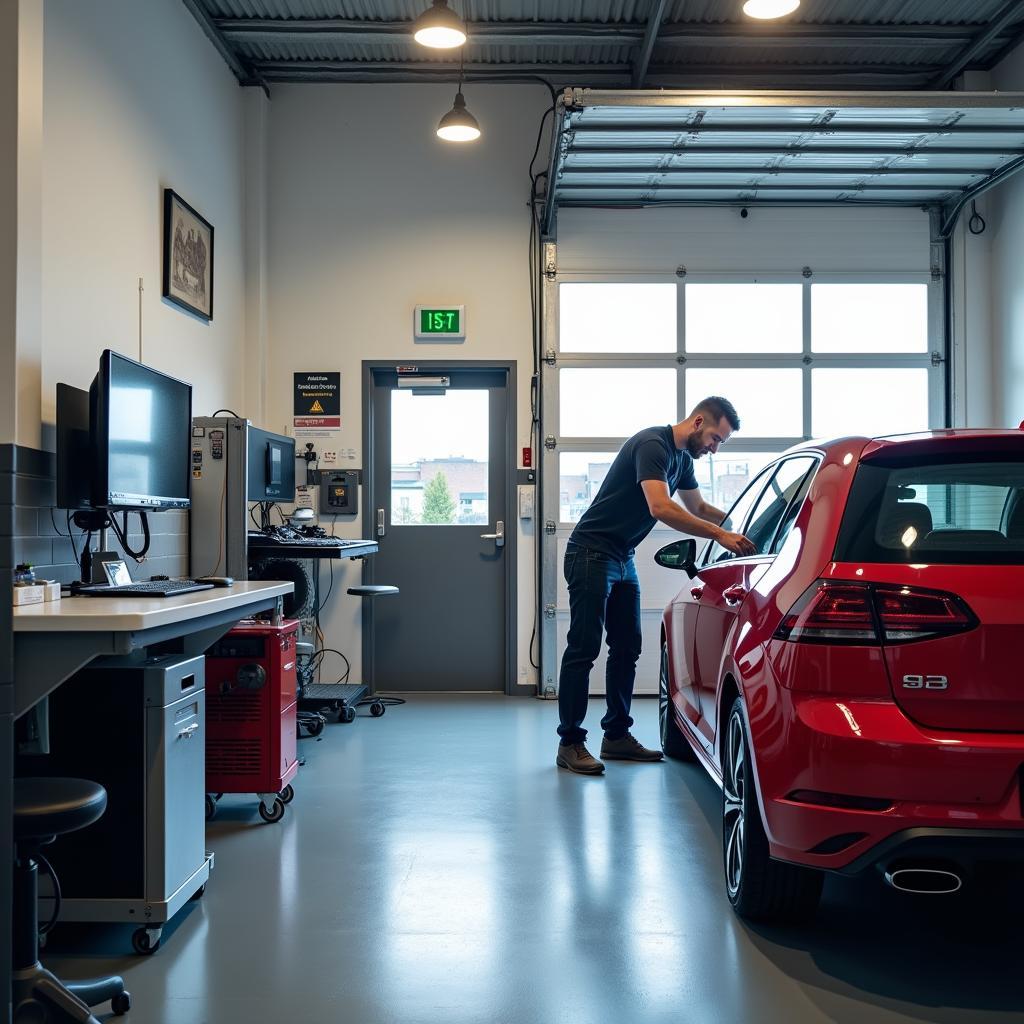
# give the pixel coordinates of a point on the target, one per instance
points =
(681, 554)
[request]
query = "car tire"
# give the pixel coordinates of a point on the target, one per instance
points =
(673, 742)
(758, 887)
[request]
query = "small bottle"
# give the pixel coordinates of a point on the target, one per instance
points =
(24, 576)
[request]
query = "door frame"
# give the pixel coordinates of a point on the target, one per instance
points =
(370, 368)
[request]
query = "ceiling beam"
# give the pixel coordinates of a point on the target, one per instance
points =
(643, 58)
(795, 128)
(1008, 13)
(697, 170)
(675, 189)
(241, 70)
(739, 150)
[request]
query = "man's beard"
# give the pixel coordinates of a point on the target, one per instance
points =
(694, 446)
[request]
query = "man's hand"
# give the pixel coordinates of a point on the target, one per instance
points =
(736, 543)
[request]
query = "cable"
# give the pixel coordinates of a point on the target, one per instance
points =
(121, 533)
(48, 868)
(219, 411)
(388, 702)
(255, 522)
(976, 225)
(330, 587)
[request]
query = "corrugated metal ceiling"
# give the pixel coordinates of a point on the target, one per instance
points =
(870, 44)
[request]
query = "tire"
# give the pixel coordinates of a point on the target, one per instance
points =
(287, 795)
(673, 742)
(142, 944)
(758, 887)
(347, 715)
(314, 726)
(121, 1003)
(377, 709)
(276, 813)
(211, 807)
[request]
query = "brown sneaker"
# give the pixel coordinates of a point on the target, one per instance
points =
(576, 758)
(628, 748)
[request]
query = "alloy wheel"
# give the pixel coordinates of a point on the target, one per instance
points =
(734, 783)
(663, 719)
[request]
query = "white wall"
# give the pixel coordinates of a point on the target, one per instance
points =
(369, 215)
(135, 99)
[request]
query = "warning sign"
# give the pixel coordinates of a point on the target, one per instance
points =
(317, 394)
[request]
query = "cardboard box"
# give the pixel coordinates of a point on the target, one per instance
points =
(30, 595)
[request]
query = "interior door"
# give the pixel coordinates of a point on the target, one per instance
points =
(437, 504)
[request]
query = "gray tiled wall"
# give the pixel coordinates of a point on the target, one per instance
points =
(33, 531)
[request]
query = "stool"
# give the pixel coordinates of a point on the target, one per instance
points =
(43, 810)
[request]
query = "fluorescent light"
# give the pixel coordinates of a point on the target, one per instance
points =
(439, 27)
(767, 9)
(458, 125)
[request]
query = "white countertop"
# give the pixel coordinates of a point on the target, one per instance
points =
(127, 614)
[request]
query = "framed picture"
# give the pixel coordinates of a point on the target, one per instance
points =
(188, 257)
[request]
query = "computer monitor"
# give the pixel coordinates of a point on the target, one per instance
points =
(271, 466)
(140, 425)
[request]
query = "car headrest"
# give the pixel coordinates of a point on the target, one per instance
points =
(898, 518)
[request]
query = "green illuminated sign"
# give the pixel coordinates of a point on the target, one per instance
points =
(440, 321)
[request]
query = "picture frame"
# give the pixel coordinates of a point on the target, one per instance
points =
(188, 257)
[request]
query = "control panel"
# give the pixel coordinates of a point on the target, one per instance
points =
(339, 493)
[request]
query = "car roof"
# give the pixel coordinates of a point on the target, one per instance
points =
(931, 438)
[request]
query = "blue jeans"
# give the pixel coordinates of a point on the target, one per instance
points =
(604, 597)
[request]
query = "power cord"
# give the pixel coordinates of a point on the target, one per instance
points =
(976, 225)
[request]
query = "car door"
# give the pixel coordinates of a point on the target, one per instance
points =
(725, 579)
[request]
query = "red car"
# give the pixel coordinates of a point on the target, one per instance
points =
(854, 687)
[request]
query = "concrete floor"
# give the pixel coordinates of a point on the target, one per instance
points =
(436, 867)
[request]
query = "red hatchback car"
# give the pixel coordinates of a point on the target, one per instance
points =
(855, 687)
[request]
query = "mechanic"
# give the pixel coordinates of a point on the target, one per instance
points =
(604, 592)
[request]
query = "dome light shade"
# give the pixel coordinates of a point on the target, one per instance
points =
(439, 27)
(458, 125)
(767, 9)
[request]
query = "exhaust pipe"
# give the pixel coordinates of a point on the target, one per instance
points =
(921, 880)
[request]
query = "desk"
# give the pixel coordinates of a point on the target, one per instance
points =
(353, 549)
(53, 641)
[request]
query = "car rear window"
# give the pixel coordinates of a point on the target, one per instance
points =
(935, 511)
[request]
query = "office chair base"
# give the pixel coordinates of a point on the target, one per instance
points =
(40, 997)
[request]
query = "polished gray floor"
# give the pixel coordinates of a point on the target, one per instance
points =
(436, 867)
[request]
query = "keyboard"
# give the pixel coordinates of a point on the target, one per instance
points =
(315, 542)
(155, 588)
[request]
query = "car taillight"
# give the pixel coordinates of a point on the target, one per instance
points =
(839, 612)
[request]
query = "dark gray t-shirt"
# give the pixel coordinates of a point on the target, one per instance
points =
(618, 519)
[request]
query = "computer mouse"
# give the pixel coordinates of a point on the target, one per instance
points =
(157, 579)
(217, 581)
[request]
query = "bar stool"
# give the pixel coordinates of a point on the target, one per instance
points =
(44, 809)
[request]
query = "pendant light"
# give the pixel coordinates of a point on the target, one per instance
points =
(765, 10)
(459, 125)
(439, 27)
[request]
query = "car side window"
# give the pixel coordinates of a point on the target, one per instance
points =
(794, 507)
(777, 497)
(737, 516)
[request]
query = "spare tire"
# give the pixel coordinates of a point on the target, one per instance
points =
(299, 604)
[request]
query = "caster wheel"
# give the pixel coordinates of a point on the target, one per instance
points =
(347, 715)
(276, 812)
(199, 893)
(211, 807)
(376, 709)
(315, 726)
(121, 1003)
(146, 940)
(286, 796)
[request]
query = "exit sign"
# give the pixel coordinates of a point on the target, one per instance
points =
(440, 323)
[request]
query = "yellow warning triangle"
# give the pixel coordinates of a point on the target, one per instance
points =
(317, 407)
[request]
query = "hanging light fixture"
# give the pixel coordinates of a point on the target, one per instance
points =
(765, 10)
(439, 27)
(459, 125)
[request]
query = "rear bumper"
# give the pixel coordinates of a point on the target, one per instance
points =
(972, 850)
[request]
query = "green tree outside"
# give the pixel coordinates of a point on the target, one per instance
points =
(438, 504)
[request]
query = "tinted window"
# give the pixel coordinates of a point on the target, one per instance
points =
(737, 516)
(794, 509)
(777, 498)
(966, 513)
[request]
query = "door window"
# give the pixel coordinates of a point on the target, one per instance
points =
(776, 499)
(736, 517)
(794, 510)
(439, 458)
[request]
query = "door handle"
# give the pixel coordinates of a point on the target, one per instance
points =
(696, 593)
(187, 734)
(498, 536)
(380, 522)
(734, 594)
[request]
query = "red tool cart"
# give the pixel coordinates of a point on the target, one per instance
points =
(250, 716)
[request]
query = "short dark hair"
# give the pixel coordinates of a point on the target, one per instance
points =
(714, 408)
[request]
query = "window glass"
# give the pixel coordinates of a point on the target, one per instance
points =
(769, 402)
(734, 318)
(735, 518)
(580, 475)
(617, 317)
(794, 509)
(868, 402)
(595, 402)
(722, 478)
(869, 317)
(772, 504)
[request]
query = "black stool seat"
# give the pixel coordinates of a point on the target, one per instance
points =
(51, 807)
(372, 590)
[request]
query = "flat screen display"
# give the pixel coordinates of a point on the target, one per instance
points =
(142, 427)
